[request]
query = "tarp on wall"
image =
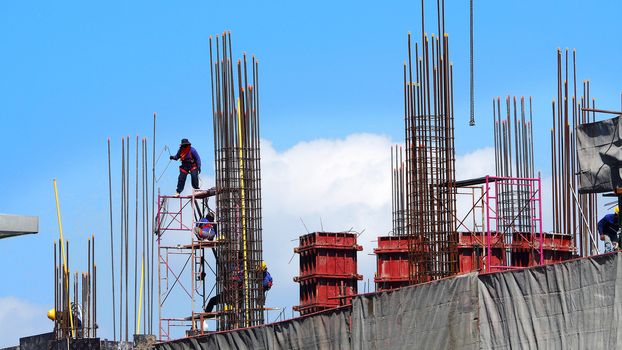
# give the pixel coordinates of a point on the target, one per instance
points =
(436, 315)
(599, 151)
(328, 330)
(574, 304)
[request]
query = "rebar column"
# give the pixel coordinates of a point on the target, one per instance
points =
(238, 180)
(430, 156)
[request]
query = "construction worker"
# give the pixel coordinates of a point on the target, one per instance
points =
(267, 279)
(266, 283)
(608, 229)
(206, 229)
(190, 164)
(76, 310)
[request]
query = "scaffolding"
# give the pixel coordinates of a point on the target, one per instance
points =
(183, 264)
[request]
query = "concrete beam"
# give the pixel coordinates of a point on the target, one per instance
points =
(15, 225)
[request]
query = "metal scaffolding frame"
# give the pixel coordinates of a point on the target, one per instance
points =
(182, 264)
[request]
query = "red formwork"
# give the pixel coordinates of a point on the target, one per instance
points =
(328, 270)
(323, 293)
(558, 248)
(315, 262)
(391, 262)
(336, 240)
(472, 251)
(523, 250)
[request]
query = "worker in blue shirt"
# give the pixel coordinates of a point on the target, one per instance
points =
(266, 283)
(267, 279)
(608, 228)
(190, 164)
(206, 228)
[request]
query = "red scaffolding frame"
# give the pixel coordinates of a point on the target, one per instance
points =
(175, 223)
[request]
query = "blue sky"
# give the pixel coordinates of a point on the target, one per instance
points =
(75, 73)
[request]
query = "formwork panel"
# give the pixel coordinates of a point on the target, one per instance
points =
(326, 292)
(328, 270)
(472, 253)
(328, 239)
(392, 266)
(328, 262)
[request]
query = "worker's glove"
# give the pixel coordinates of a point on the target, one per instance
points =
(616, 246)
(171, 157)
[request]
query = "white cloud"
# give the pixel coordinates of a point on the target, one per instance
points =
(21, 318)
(478, 163)
(338, 184)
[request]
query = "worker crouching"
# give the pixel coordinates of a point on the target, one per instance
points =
(608, 228)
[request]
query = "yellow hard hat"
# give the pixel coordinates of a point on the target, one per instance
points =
(616, 209)
(264, 266)
(52, 314)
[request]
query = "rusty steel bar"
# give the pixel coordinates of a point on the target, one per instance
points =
(569, 111)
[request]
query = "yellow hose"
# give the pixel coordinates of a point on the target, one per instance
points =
(246, 301)
(140, 298)
(62, 247)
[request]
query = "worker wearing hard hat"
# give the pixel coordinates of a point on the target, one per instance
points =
(267, 279)
(608, 228)
(266, 284)
(76, 310)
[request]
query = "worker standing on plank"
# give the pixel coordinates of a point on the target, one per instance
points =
(190, 164)
(608, 229)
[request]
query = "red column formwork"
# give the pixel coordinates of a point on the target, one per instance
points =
(328, 270)
(523, 250)
(472, 251)
(559, 247)
(391, 263)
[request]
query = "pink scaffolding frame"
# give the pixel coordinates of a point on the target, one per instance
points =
(185, 244)
(533, 239)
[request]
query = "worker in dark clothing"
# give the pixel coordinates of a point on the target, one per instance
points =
(608, 229)
(266, 283)
(190, 164)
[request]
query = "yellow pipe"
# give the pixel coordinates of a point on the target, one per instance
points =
(246, 301)
(140, 298)
(62, 244)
